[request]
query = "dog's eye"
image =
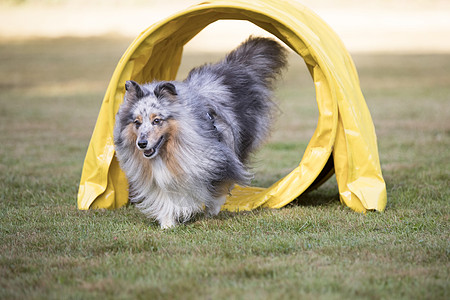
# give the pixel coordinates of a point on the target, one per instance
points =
(156, 121)
(137, 123)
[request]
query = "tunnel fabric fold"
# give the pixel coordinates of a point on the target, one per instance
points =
(344, 134)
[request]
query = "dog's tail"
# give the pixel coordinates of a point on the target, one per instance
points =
(263, 57)
(239, 91)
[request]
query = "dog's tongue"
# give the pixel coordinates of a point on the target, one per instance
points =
(149, 153)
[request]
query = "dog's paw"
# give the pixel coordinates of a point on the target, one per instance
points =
(214, 208)
(213, 211)
(167, 223)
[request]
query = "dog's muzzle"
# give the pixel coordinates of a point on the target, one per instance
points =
(150, 152)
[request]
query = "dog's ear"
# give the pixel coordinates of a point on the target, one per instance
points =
(165, 89)
(134, 91)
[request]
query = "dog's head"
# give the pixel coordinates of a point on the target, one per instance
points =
(145, 118)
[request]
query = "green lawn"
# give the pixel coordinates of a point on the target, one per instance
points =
(50, 94)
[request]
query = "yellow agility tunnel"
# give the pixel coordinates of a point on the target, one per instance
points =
(344, 140)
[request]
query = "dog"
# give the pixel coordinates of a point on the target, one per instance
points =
(183, 145)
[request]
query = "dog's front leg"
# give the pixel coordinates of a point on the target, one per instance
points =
(213, 208)
(167, 222)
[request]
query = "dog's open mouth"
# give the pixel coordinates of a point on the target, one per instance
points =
(154, 150)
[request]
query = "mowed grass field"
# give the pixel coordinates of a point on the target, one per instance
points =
(315, 248)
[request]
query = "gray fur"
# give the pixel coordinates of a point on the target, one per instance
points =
(222, 113)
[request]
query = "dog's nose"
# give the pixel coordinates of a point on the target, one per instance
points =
(142, 144)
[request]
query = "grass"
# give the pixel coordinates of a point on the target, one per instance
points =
(50, 94)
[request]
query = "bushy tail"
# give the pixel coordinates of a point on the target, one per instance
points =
(263, 57)
(239, 89)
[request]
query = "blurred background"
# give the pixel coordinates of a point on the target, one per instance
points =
(412, 26)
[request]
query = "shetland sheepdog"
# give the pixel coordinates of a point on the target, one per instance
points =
(183, 145)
